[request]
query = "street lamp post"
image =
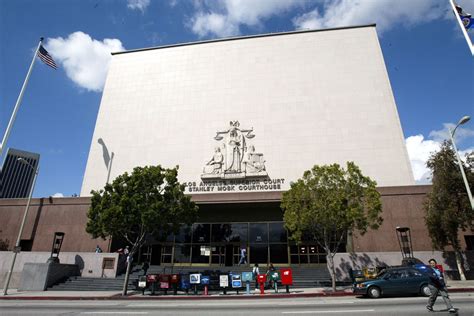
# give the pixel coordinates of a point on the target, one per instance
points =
(17, 246)
(451, 135)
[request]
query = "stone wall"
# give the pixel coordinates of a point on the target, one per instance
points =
(89, 264)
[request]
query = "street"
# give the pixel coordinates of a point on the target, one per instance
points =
(291, 306)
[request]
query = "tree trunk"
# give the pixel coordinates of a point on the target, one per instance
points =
(350, 242)
(457, 253)
(127, 275)
(332, 272)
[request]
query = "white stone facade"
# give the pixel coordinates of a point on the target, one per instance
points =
(311, 97)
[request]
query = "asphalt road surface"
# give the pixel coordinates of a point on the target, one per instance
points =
(248, 307)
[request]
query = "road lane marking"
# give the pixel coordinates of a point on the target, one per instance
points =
(325, 312)
(114, 313)
(317, 303)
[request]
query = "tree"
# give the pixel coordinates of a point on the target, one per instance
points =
(328, 202)
(447, 206)
(149, 201)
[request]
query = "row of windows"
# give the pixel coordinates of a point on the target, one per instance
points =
(231, 232)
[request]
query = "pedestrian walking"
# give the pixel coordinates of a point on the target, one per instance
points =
(145, 267)
(270, 271)
(438, 286)
(243, 256)
(126, 251)
(255, 273)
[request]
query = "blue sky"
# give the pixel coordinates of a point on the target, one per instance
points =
(429, 64)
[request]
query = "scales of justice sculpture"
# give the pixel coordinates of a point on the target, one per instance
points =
(234, 157)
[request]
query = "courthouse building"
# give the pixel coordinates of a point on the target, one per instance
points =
(243, 117)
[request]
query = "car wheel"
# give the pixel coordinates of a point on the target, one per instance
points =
(425, 290)
(374, 292)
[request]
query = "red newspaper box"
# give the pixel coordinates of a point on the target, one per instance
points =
(151, 278)
(440, 268)
(286, 276)
(261, 279)
(174, 279)
(165, 281)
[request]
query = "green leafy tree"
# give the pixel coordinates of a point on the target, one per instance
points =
(149, 201)
(448, 210)
(327, 203)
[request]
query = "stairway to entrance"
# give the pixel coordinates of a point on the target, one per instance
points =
(303, 277)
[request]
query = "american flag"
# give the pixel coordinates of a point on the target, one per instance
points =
(46, 57)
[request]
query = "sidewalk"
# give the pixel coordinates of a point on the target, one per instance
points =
(453, 287)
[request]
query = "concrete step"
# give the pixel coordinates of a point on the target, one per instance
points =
(303, 277)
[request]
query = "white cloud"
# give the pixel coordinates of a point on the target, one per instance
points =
(224, 17)
(461, 134)
(57, 195)
(138, 4)
(85, 60)
(386, 13)
(419, 150)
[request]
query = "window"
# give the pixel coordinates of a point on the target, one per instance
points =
(258, 232)
(277, 232)
(201, 233)
(414, 274)
(184, 234)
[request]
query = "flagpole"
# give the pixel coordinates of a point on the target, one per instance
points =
(464, 31)
(18, 101)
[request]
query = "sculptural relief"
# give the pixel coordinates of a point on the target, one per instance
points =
(237, 159)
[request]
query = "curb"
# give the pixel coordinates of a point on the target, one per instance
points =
(133, 297)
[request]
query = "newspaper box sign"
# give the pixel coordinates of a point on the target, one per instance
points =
(205, 280)
(262, 278)
(286, 276)
(195, 278)
(151, 278)
(224, 280)
(142, 282)
(275, 276)
(236, 281)
(247, 276)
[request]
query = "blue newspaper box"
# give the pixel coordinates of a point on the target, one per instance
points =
(195, 278)
(205, 280)
(184, 282)
(247, 276)
(236, 281)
